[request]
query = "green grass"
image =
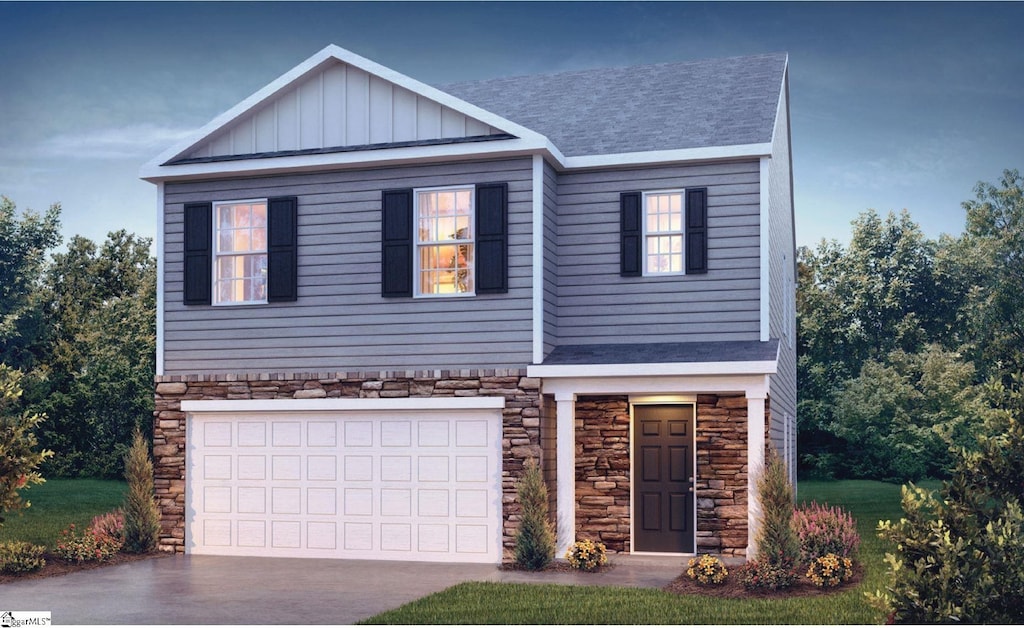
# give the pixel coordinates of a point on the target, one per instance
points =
(58, 503)
(501, 603)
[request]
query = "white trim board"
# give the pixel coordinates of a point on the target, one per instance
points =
(646, 370)
(328, 405)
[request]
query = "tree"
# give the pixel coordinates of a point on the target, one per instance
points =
(141, 516)
(23, 246)
(856, 304)
(992, 253)
(960, 555)
(535, 540)
(100, 355)
(19, 459)
(899, 417)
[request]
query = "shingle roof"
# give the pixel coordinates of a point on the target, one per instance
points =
(718, 102)
(667, 352)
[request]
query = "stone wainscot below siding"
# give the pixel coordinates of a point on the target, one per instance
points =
(520, 437)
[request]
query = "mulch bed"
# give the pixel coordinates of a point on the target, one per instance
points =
(58, 567)
(733, 588)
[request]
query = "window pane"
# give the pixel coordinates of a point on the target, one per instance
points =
(259, 215)
(242, 213)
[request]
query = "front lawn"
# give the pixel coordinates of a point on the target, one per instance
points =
(498, 603)
(58, 503)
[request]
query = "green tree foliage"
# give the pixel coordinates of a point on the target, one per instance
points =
(900, 415)
(856, 304)
(100, 355)
(991, 253)
(535, 540)
(777, 542)
(141, 516)
(24, 242)
(960, 555)
(20, 456)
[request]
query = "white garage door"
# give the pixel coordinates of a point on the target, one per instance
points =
(383, 484)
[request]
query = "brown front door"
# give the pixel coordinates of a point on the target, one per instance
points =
(663, 479)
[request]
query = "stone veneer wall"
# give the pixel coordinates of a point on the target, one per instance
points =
(603, 473)
(520, 435)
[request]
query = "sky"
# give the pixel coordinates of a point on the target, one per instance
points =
(893, 106)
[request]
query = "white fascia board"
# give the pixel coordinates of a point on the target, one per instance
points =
(324, 161)
(675, 369)
(752, 386)
(332, 405)
(286, 80)
(704, 153)
(160, 279)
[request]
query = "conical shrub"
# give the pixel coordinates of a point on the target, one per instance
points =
(535, 540)
(141, 516)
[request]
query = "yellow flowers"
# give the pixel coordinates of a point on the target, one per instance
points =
(829, 570)
(707, 569)
(586, 555)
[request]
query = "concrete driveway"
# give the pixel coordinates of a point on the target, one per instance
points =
(228, 590)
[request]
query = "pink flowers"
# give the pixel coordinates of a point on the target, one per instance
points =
(825, 530)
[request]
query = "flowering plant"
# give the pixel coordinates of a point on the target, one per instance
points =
(586, 555)
(830, 570)
(110, 524)
(823, 530)
(770, 575)
(707, 569)
(86, 546)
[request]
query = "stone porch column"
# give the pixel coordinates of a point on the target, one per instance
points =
(565, 471)
(755, 465)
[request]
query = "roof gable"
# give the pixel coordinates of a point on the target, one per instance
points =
(337, 100)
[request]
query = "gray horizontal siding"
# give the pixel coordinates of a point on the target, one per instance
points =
(597, 305)
(550, 258)
(340, 321)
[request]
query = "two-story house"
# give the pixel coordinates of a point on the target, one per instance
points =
(378, 299)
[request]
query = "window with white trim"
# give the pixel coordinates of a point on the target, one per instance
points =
(444, 241)
(663, 232)
(240, 252)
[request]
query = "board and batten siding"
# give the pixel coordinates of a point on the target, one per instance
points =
(340, 105)
(782, 288)
(340, 321)
(597, 305)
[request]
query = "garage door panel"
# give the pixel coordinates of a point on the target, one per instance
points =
(396, 486)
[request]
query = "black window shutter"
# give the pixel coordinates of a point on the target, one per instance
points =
(492, 238)
(282, 249)
(198, 253)
(696, 230)
(630, 249)
(396, 243)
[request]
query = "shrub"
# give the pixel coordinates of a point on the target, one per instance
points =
(110, 524)
(141, 516)
(535, 540)
(830, 570)
(707, 569)
(959, 555)
(768, 575)
(21, 557)
(19, 459)
(778, 549)
(825, 530)
(587, 555)
(86, 546)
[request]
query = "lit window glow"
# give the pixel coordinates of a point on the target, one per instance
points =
(444, 242)
(663, 233)
(240, 270)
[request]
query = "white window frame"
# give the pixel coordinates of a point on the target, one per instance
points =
(682, 231)
(417, 243)
(217, 254)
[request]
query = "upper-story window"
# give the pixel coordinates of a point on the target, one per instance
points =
(444, 241)
(663, 232)
(240, 265)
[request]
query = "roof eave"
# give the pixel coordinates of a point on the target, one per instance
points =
(759, 367)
